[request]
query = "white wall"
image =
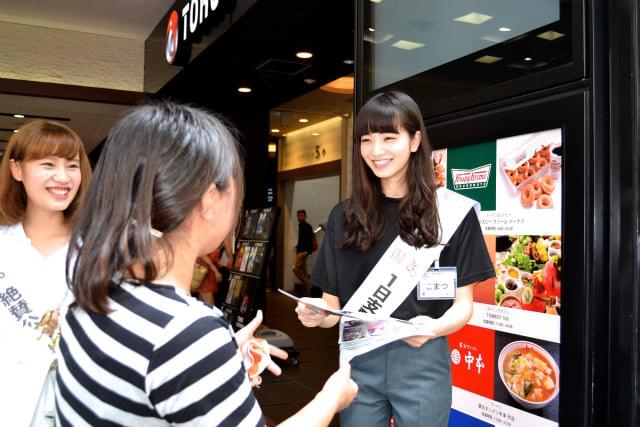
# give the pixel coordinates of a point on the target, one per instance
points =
(317, 196)
(69, 57)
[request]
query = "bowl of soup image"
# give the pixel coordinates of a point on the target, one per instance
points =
(529, 373)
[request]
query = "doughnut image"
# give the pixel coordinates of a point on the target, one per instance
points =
(523, 169)
(517, 180)
(542, 162)
(526, 196)
(511, 173)
(536, 188)
(548, 184)
(533, 160)
(529, 173)
(544, 202)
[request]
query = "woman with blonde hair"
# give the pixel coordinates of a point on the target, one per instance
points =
(43, 178)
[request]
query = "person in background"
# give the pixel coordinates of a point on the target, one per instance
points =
(43, 178)
(394, 194)
(136, 348)
(304, 248)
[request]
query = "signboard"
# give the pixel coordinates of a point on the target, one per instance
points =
(505, 362)
(186, 21)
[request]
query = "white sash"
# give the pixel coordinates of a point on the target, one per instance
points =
(402, 266)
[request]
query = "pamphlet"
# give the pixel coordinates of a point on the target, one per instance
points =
(363, 332)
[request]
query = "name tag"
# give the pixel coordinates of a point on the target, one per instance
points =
(438, 283)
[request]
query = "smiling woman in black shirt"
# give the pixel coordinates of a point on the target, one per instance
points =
(394, 194)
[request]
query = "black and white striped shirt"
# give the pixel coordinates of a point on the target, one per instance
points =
(159, 358)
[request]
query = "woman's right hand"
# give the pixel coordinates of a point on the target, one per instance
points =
(309, 315)
(340, 387)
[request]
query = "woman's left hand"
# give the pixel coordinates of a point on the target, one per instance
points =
(425, 323)
(245, 334)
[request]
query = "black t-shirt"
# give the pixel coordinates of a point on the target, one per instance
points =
(340, 272)
(305, 235)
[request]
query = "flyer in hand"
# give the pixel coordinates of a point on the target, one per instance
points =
(363, 332)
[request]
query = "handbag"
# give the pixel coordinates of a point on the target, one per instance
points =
(29, 361)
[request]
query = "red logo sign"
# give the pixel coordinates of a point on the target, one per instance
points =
(171, 44)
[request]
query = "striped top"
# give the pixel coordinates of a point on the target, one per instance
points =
(160, 357)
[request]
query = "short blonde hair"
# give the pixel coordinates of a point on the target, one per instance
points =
(36, 140)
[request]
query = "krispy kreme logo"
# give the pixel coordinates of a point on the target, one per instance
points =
(464, 179)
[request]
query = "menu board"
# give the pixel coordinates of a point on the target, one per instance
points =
(505, 362)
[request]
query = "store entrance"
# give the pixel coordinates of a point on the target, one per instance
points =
(317, 196)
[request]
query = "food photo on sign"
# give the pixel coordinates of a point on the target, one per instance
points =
(529, 273)
(529, 171)
(528, 374)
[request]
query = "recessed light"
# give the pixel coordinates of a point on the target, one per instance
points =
(275, 130)
(19, 116)
(244, 89)
(304, 55)
(372, 29)
(303, 120)
(315, 134)
(473, 18)
(272, 147)
(348, 61)
(15, 131)
(375, 1)
(309, 81)
(488, 59)
(504, 29)
(550, 35)
(528, 58)
(407, 45)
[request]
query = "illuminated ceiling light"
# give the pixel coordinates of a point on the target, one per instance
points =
(550, 35)
(504, 29)
(303, 120)
(304, 55)
(377, 38)
(473, 18)
(375, 1)
(19, 116)
(309, 81)
(244, 89)
(315, 134)
(528, 58)
(275, 130)
(15, 131)
(272, 147)
(342, 85)
(348, 61)
(488, 59)
(372, 29)
(407, 45)
(346, 115)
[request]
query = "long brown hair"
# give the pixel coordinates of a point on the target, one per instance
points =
(36, 140)
(157, 162)
(418, 222)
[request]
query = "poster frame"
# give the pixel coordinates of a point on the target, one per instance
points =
(581, 314)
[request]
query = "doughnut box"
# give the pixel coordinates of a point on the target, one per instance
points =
(523, 165)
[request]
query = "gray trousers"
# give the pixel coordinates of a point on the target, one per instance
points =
(411, 384)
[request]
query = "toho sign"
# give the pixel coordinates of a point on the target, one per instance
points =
(471, 178)
(183, 24)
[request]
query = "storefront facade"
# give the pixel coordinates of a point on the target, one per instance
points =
(547, 90)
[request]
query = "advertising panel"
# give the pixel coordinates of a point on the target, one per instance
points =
(505, 362)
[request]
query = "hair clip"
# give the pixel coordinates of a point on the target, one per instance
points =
(156, 233)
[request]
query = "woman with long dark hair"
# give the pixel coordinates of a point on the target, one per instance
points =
(395, 199)
(136, 348)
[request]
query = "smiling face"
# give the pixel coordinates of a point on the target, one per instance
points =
(51, 183)
(387, 155)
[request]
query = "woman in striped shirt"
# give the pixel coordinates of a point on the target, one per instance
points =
(136, 348)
